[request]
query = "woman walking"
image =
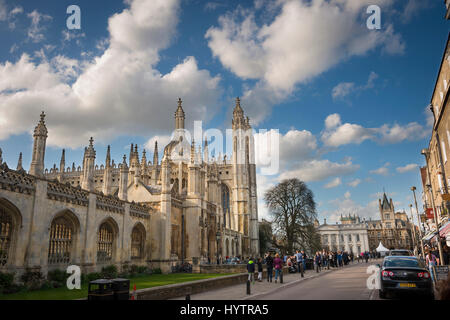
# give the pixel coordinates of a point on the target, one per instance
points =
(431, 262)
(260, 269)
(278, 264)
(269, 264)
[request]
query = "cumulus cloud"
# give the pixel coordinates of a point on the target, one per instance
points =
(333, 183)
(318, 170)
(408, 167)
(117, 93)
(344, 89)
(383, 171)
(354, 183)
(337, 133)
(282, 52)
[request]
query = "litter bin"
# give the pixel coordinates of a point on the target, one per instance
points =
(121, 289)
(100, 290)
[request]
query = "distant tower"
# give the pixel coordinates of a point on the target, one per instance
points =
(19, 163)
(387, 211)
(107, 174)
(123, 185)
(62, 163)
(89, 167)
(179, 116)
(40, 137)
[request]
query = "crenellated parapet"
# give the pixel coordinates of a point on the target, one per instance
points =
(14, 181)
(66, 193)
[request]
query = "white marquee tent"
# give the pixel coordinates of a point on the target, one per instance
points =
(382, 249)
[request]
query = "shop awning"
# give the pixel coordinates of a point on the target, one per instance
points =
(445, 229)
(428, 236)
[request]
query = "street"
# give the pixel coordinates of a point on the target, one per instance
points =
(348, 283)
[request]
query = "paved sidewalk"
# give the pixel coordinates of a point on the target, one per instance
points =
(239, 292)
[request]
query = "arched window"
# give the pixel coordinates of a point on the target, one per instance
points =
(137, 242)
(225, 204)
(61, 239)
(105, 243)
(6, 228)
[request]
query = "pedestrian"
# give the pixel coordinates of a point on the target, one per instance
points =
(366, 256)
(278, 264)
(431, 261)
(260, 269)
(317, 260)
(325, 259)
(251, 270)
(269, 264)
(304, 257)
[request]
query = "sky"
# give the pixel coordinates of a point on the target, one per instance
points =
(348, 104)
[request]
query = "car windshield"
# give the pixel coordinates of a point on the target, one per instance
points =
(403, 262)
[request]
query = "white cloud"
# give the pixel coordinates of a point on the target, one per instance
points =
(383, 171)
(318, 170)
(284, 52)
(344, 89)
(36, 29)
(408, 167)
(354, 183)
(333, 183)
(117, 93)
(337, 133)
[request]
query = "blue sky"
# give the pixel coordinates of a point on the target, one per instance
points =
(349, 102)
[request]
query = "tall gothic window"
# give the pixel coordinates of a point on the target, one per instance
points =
(60, 246)
(137, 242)
(6, 228)
(105, 243)
(225, 204)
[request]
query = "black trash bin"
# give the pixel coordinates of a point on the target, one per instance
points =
(100, 290)
(121, 289)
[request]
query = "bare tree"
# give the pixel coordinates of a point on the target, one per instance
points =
(292, 206)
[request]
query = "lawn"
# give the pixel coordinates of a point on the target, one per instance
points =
(141, 282)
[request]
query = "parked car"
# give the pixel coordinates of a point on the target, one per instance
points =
(400, 252)
(404, 274)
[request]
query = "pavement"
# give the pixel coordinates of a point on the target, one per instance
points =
(348, 282)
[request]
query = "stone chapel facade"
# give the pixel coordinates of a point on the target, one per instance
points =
(188, 207)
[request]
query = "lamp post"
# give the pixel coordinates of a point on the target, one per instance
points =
(413, 233)
(426, 153)
(413, 189)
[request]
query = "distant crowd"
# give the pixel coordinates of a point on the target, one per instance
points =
(299, 262)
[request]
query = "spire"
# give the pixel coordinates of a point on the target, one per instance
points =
(206, 151)
(73, 167)
(131, 152)
(155, 154)
(19, 163)
(144, 159)
(1, 159)
(108, 157)
(62, 163)
(123, 185)
(40, 138)
(179, 116)
(192, 151)
(238, 121)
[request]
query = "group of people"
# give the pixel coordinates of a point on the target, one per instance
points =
(297, 263)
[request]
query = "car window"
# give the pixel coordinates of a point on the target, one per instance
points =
(399, 262)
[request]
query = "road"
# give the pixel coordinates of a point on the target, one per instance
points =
(349, 283)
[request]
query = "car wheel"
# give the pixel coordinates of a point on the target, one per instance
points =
(382, 294)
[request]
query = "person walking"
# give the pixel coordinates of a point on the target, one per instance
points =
(431, 261)
(325, 259)
(317, 261)
(269, 264)
(251, 270)
(278, 264)
(260, 269)
(304, 257)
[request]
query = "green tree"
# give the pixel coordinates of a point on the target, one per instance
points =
(293, 209)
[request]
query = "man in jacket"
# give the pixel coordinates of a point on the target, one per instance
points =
(251, 270)
(269, 264)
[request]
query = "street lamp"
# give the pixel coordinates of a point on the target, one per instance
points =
(426, 154)
(413, 233)
(413, 189)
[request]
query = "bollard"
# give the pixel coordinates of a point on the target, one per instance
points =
(248, 287)
(281, 276)
(188, 297)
